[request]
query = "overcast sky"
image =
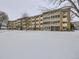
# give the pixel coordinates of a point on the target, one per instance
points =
(15, 8)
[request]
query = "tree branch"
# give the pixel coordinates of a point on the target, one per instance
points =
(75, 7)
(74, 13)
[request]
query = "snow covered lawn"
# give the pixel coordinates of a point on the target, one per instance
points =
(39, 45)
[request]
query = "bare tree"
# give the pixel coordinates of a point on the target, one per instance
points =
(24, 15)
(73, 5)
(3, 19)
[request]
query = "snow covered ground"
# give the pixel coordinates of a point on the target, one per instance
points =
(39, 45)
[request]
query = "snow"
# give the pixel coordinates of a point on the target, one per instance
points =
(39, 45)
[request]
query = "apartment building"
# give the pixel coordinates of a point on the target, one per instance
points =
(39, 22)
(54, 20)
(22, 23)
(36, 22)
(57, 20)
(11, 25)
(19, 24)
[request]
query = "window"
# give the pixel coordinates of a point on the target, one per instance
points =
(51, 16)
(64, 16)
(46, 17)
(64, 12)
(41, 23)
(46, 22)
(56, 16)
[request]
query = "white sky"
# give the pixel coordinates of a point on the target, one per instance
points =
(15, 8)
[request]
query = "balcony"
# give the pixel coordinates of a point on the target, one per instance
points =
(65, 25)
(65, 20)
